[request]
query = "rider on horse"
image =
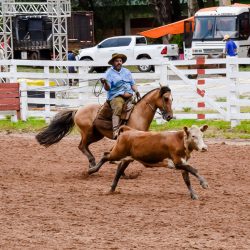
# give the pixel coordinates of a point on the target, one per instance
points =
(120, 86)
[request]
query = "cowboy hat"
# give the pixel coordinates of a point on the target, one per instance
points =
(116, 55)
(226, 37)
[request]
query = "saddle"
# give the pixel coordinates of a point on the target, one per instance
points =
(104, 117)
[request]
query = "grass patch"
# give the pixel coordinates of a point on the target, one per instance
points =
(31, 125)
(216, 128)
(186, 109)
(38, 69)
(221, 99)
(245, 109)
(244, 67)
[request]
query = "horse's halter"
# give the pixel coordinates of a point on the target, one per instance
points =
(165, 115)
(163, 112)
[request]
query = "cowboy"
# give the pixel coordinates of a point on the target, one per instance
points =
(231, 47)
(120, 86)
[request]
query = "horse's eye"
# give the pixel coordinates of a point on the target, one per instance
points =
(166, 99)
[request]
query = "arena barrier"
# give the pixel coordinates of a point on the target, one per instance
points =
(202, 88)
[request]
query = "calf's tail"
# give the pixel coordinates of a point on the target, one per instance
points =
(60, 126)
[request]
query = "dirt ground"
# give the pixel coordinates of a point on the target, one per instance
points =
(48, 202)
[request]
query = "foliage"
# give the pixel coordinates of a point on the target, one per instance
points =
(216, 128)
(31, 125)
(177, 39)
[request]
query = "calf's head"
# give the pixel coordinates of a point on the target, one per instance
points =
(194, 138)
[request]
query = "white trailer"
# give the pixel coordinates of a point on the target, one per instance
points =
(210, 26)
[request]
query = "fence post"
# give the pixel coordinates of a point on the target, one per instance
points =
(23, 101)
(82, 71)
(164, 74)
(47, 95)
(233, 108)
(13, 70)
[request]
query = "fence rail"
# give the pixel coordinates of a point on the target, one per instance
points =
(210, 88)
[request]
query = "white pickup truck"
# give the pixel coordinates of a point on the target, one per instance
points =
(134, 47)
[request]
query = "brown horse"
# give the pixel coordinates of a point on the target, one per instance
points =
(140, 119)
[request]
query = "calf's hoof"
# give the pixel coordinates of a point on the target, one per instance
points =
(194, 197)
(112, 191)
(91, 171)
(204, 184)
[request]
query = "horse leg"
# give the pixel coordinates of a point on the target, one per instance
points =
(96, 168)
(120, 171)
(186, 179)
(84, 146)
(85, 150)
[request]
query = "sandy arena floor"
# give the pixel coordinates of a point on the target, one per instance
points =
(48, 202)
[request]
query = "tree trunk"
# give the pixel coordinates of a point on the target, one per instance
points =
(163, 13)
(224, 2)
(192, 7)
(211, 2)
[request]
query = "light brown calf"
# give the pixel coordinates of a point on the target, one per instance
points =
(166, 149)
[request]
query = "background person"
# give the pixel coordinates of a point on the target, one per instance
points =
(120, 86)
(230, 47)
(72, 56)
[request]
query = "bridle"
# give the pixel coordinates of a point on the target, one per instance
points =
(163, 112)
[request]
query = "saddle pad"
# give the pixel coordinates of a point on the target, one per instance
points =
(104, 117)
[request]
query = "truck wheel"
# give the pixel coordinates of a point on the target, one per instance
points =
(144, 68)
(91, 69)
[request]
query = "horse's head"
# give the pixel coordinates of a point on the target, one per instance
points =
(164, 103)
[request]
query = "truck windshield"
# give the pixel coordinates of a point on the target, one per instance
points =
(225, 26)
(209, 28)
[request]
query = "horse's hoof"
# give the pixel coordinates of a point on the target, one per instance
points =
(194, 196)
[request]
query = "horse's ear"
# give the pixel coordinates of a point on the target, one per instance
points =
(160, 84)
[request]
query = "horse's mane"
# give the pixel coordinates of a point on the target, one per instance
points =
(163, 90)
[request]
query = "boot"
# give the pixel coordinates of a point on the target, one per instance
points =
(116, 124)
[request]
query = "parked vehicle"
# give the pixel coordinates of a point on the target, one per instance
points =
(32, 35)
(134, 47)
(210, 26)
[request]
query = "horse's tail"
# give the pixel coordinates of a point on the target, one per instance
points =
(60, 126)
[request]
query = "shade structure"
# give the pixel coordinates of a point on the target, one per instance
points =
(172, 28)
(178, 27)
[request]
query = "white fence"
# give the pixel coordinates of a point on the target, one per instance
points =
(221, 92)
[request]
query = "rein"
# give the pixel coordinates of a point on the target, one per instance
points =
(163, 107)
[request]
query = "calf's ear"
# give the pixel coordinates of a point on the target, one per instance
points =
(204, 128)
(186, 130)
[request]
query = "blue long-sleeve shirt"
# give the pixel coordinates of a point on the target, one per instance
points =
(119, 82)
